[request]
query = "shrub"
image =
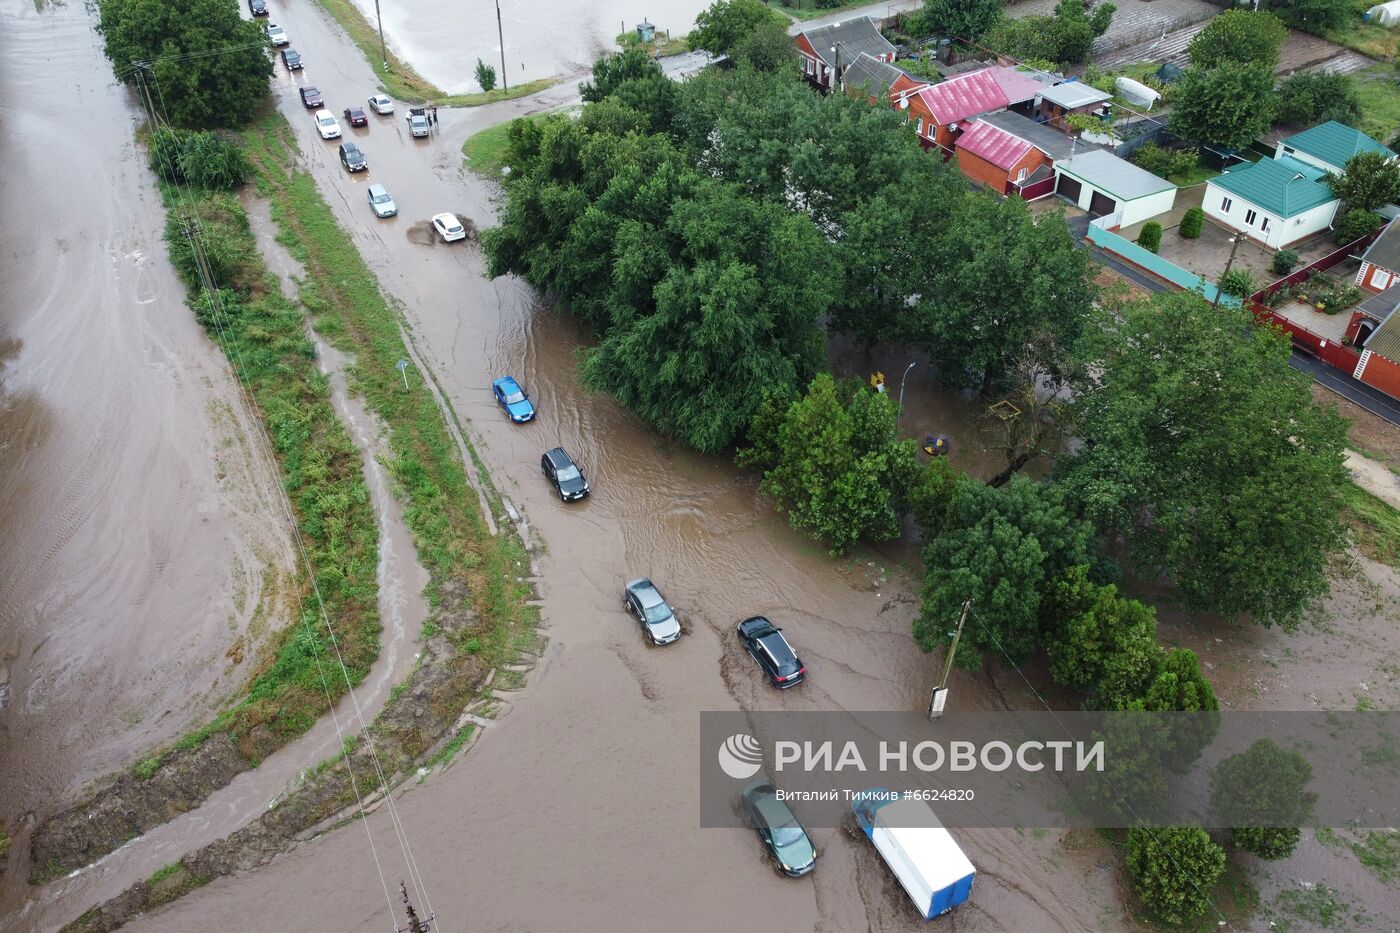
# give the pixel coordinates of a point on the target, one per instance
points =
(1315, 97)
(1284, 261)
(1163, 162)
(1191, 223)
(1355, 225)
(1173, 870)
(485, 76)
(1151, 236)
(202, 159)
(1238, 282)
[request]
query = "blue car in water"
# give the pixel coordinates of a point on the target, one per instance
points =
(513, 399)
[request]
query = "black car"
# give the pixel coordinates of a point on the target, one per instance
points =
(257, 7)
(559, 468)
(310, 97)
(352, 158)
(771, 650)
(292, 59)
(779, 829)
(355, 116)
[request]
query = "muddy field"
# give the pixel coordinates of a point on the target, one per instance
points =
(142, 562)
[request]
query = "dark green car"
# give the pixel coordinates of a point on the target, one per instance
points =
(779, 829)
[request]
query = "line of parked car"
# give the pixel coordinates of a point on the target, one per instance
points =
(775, 823)
(448, 227)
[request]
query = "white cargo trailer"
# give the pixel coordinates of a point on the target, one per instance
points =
(923, 855)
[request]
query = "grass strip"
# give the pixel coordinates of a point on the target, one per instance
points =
(1374, 523)
(398, 79)
(351, 312)
(485, 151)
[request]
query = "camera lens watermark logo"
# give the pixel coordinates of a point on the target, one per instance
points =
(740, 756)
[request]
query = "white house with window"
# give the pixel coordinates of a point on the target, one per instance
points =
(1276, 201)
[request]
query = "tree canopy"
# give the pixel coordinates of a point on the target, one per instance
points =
(1001, 547)
(723, 27)
(834, 461)
(1369, 180)
(1318, 17)
(1172, 871)
(1064, 39)
(965, 19)
(611, 71)
(1238, 36)
(1206, 450)
(1311, 97)
(198, 91)
(1262, 792)
(1225, 105)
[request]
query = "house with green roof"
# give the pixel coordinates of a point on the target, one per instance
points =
(1276, 201)
(1328, 146)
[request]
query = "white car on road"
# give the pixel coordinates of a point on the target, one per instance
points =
(381, 104)
(327, 125)
(449, 227)
(277, 34)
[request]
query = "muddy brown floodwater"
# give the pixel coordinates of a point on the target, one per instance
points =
(543, 38)
(141, 560)
(576, 810)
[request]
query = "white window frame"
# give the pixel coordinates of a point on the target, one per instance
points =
(919, 126)
(1021, 175)
(1226, 203)
(1263, 223)
(1250, 216)
(1380, 279)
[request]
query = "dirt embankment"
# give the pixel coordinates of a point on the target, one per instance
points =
(130, 806)
(425, 714)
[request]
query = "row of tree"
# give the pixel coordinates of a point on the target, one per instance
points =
(1062, 39)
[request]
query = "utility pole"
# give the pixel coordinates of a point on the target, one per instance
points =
(415, 925)
(501, 38)
(1230, 262)
(383, 55)
(940, 693)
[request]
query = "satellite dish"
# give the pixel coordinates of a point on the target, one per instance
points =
(904, 103)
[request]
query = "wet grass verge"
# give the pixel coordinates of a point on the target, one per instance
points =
(478, 592)
(485, 152)
(398, 79)
(1374, 523)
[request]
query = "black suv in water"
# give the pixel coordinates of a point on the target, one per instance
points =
(257, 7)
(352, 158)
(559, 468)
(771, 650)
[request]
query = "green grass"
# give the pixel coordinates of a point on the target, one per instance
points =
(4, 843)
(1319, 906)
(1379, 851)
(1197, 175)
(146, 768)
(805, 11)
(659, 47)
(400, 81)
(1376, 41)
(164, 872)
(352, 313)
(450, 750)
(485, 151)
(1374, 523)
(1380, 103)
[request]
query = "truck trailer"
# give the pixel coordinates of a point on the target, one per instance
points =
(923, 855)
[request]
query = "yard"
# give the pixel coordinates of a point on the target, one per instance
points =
(1376, 41)
(1380, 102)
(1323, 303)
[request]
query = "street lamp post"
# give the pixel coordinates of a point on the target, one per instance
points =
(901, 390)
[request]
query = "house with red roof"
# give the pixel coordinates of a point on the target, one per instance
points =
(995, 159)
(940, 113)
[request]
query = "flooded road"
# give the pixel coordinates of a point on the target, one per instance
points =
(543, 38)
(576, 810)
(141, 562)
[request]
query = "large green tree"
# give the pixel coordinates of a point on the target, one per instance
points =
(206, 66)
(1369, 180)
(726, 292)
(723, 26)
(1003, 278)
(963, 19)
(1262, 792)
(834, 462)
(1065, 38)
(1318, 17)
(1225, 105)
(1001, 547)
(1311, 97)
(1172, 871)
(1238, 36)
(1206, 450)
(610, 71)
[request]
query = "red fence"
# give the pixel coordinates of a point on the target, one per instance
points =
(1328, 351)
(1035, 190)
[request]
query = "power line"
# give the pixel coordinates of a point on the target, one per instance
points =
(195, 233)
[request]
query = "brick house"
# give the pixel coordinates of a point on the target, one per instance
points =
(1375, 330)
(1380, 264)
(1053, 146)
(874, 80)
(827, 51)
(940, 113)
(995, 159)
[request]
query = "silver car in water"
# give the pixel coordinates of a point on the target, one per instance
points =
(380, 202)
